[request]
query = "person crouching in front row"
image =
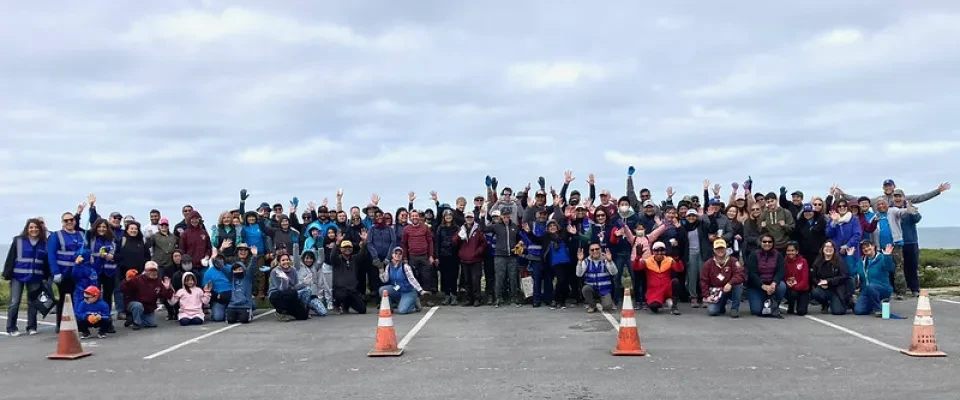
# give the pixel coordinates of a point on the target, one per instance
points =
(93, 312)
(721, 280)
(401, 286)
(662, 288)
(597, 272)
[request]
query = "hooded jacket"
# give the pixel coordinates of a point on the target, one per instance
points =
(194, 240)
(873, 271)
(191, 300)
(810, 234)
(345, 269)
(380, 240)
(781, 234)
(162, 247)
(132, 253)
(474, 247)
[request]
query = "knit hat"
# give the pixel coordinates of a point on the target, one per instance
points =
(92, 290)
(131, 274)
(797, 193)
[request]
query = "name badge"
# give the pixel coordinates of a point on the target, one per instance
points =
(720, 276)
(396, 288)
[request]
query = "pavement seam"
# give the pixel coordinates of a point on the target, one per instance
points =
(204, 336)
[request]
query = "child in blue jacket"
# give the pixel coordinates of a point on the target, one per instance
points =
(93, 312)
(873, 272)
(84, 275)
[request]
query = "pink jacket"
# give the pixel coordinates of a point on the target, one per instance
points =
(191, 304)
(644, 242)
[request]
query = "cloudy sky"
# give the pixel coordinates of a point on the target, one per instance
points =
(158, 104)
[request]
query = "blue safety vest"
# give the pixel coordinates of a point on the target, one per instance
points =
(100, 264)
(597, 276)
(29, 265)
(67, 252)
(399, 278)
(534, 250)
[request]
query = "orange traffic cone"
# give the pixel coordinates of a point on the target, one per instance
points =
(924, 341)
(68, 345)
(628, 340)
(386, 345)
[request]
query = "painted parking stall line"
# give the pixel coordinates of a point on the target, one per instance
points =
(204, 336)
(948, 301)
(4, 317)
(416, 328)
(850, 332)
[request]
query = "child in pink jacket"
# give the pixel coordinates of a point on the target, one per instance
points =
(191, 300)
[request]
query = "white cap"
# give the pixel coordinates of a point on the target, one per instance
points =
(692, 212)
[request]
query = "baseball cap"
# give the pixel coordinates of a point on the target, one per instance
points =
(659, 245)
(242, 245)
(264, 205)
(714, 202)
(741, 196)
(116, 215)
(866, 242)
(164, 221)
(541, 192)
(478, 197)
(889, 182)
(580, 207)
(719, 244)
(898, 191)
(92, 290)
(468, 216)
(495, 213)
(808, 207)
(797, 193)
(346, 243)
(692, 212)
(648, 203)
(152, 266)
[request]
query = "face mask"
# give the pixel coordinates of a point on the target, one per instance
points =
(624, 209)
(187, 267)
(238, 275)
(574, 201)
(640, 233)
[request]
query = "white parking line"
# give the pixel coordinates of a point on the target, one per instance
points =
(948, 301)
(850, 332)
(204, 336)
(38, 322)
(413, 332)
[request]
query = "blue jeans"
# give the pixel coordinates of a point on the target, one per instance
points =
(623, 262)
(16, 293)
(218, 312)
(542, 281)
(832, 297)
(870, 297)
(140, 317)
(757, 297)
(406, 301)
(720, 307)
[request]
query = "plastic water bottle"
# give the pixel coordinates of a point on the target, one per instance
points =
(885, 309)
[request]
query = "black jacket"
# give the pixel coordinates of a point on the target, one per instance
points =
(810, 234)
(344, 269)
(443, 241)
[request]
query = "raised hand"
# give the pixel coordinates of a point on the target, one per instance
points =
(834, 216)
(253, 250)
(311, 206)
(166, 282)
(568, 176)
(783, 190)
(339, 194)
(363, 235)
(324, 202)
(670, 192)
(591, 179)
(339, 236)
(526, 189)
(571, 229)
(81, 207)
(888, 250)
(214, 253)
(411, 196)
(526, 228)
(706, 184)
(226, 244)
(735, 186)
(433, 195)
(488, 181)
(542, 182)
(608, 255)
(716, 189)
(851, 251)
(208, 287)
(91, 199)
(580, 254)
(557, 200)
(244, 195)
(631, 170)
(657, 220)
(943, 187)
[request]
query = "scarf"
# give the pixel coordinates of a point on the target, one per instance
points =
(846, 217)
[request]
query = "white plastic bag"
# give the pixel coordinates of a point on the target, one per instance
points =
(526, 284)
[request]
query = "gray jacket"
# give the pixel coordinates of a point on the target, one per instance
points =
(912, 198)
(506, 235)
(894, 219)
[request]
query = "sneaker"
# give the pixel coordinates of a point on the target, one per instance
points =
(477, 304)
(135, 327)
(878, 314)
(694, 304)
(914, 294)
(674, 310)
(824, 310)
(900, 297)
(122, 316)
(563, 306)
(591, 310)
(14, 333)
(102, 335)
(638, 306)
(84, 336)
(31, 332)
(536, 304)
(734, 314)
(283, 317)
(553, 305)
(518, 305)
(127, 323)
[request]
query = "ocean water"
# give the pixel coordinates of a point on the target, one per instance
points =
(930, 238)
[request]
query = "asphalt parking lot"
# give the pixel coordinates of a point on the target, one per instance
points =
(505, 353)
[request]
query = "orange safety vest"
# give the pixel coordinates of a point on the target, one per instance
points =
(665, 266)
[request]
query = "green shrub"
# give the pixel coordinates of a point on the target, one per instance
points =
(940, 258)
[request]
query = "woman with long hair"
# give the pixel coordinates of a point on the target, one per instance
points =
(830, 279)
(132, 254)
(26, 267)
(447, 258)
(62, 247)
(103, 248)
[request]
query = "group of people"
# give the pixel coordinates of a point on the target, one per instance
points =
(531, 246)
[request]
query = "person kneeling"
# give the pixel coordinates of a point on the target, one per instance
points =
(873, 272)
(402, 286)
(142, 294)
(283, 291)
(191, 300)
(721, 280)
(597, 272)
(93, 312)
(662, 287)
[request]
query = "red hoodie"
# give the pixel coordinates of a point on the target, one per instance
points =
(195, 241)
(797, 269)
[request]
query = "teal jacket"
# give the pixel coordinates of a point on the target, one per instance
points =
(873, 271)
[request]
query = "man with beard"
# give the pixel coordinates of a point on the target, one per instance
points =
(154, 225)
(417, 244)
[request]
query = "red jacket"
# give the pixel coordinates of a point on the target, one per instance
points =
(146, 291)
(799, 270)
(659, 277)
(195, 241)
(474, 248)
(417, 240)
(716, 276)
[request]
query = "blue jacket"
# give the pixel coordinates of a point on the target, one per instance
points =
(242, 296)
(99, 307)
(846, 234)
(874, 271)
(381, 242)
(100, 264)
(220, 282)
(62, 250)
(323, 229)
(909, 226)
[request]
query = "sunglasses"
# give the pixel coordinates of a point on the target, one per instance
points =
(754, 209)
(818, 204)
(842, 206)
(767, 241)
(65, 220)
(594, 249)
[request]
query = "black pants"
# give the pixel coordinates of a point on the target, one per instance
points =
(426, 273)
(347, 299)
(191, 321)
(66, 287)
(799, 301)
(567, 285)
(287, 302)
(489, 273)
(449, 273)
(473, 271)
(107, 286)
(241, 315)
(367, 275)
(105, 326)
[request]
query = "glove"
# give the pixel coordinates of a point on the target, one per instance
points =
(57, 278)
(462, 234)
(493, 183)
(631, 170)
(543, 183)
(489, 181)
(295, 201)
(783, 190)
(243, 195)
